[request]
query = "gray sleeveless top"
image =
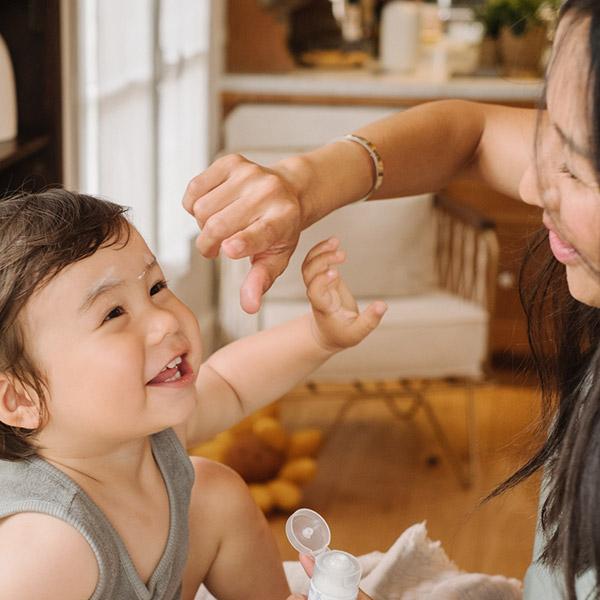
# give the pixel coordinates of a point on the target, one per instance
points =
(35, 485)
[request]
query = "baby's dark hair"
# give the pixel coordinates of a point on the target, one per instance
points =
(41, 234)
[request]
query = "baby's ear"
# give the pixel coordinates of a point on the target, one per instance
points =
(17, 409)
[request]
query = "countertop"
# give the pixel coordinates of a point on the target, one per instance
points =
(362, 83)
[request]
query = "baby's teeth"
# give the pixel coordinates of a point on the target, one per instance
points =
(174, 362)
(174, 378)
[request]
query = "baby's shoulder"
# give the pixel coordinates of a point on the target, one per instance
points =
(219, 491)
(214, 481)
(42, 556)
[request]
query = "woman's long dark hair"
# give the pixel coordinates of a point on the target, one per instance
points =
(564, 335)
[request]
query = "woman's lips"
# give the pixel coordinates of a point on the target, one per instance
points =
(563, 252)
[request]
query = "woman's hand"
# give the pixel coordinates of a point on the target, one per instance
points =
(338, 324)
(308, 563)
(248, 210)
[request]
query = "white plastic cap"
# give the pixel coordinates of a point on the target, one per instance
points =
(308, 532)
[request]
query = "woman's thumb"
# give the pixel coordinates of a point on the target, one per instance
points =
(308, 563)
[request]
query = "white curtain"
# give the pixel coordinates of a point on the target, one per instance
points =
(146, 110)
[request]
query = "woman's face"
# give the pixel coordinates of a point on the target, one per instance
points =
(562, 178)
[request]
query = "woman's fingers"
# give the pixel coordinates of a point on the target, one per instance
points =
(216, 174)
(263, 272)
(276, 231)
(308, 563)
(246, 210)
(249, 207)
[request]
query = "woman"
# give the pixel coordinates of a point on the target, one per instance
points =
(548, 158)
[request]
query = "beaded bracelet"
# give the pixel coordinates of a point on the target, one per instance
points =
(375, 157)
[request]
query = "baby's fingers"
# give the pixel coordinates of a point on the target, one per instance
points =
(368, 320)
(321, 293)
(321, 263)
(325, 246)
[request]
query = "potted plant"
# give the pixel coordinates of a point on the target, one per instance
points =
(491, 15)
(519, 30)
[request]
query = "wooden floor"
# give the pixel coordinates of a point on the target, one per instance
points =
(376, 477)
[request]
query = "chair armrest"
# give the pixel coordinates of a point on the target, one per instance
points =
(466, 252)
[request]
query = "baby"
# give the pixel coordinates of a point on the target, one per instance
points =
(102, 388)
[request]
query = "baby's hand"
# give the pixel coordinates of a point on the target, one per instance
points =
(338, 324)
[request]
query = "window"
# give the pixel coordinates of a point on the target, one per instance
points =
(146, 109)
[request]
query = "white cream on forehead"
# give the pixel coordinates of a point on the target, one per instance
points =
(110, 278)
(149, 261)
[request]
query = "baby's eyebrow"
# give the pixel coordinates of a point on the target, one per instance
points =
(100, 288)
(108, 284)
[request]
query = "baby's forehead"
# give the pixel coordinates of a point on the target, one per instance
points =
(126, 259)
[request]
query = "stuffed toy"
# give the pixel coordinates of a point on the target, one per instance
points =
(272, 461)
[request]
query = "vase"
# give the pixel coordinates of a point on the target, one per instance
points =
(521, 54)
(8, 96)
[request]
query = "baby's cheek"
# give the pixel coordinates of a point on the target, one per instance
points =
(192, 328)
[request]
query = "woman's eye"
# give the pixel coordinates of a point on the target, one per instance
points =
(157, 287)
(117, 311)
(566, 171)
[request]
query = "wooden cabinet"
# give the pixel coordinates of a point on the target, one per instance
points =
(31, 31)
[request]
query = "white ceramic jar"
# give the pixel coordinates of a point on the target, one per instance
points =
(399, 36)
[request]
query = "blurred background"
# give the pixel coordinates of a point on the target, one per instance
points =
(129, 99)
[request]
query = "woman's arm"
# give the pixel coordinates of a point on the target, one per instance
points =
(251, 210)
(423, 149)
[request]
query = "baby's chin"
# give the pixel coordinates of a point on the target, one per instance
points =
(583, 285)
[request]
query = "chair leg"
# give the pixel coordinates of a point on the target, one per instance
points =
(464, 473)
(340, 416)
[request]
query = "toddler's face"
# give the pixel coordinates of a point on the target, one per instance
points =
(101, 332)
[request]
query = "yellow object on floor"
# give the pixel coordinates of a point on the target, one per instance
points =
(274, 463)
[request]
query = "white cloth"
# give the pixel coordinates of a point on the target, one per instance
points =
(414, 568)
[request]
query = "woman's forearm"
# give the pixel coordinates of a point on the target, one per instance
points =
(422, 148)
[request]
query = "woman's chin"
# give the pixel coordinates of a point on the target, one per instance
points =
(583, 286)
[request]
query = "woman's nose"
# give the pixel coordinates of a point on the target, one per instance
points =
(161, 323)
(529, 187)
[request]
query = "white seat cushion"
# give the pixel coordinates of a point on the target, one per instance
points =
(432, 335)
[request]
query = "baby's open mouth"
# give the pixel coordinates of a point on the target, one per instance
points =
(173, 371)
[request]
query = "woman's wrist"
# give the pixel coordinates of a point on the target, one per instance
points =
(298, 173)
(327, 178)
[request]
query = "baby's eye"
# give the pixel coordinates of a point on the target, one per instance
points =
(117, 311)
(157, 287)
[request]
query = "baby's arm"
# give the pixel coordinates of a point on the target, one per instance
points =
(256, 370)
(44, 557)
(232, 550)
